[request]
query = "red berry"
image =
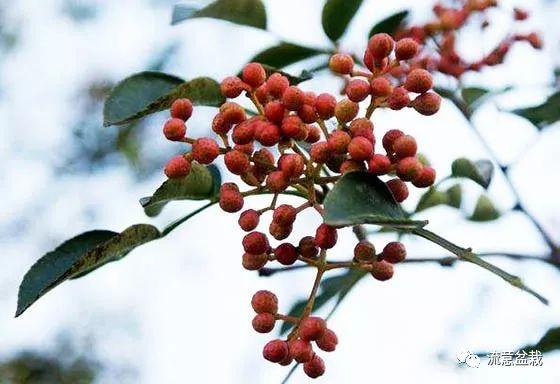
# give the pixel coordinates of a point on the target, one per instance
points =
(255, 243)
(293, 98)
(254, 262)
(268, 134)
(274, 111)
(277, 84)
(313, 134)
(426, 178)
(220, 125)
(406, 49)
(174, 129)
(534, 40)
(254, 74)
(231, 87)
(263, 322)
(328, 341)
(264, 302)
(301, 350)
(245, 148)
(284, 214)
(292, 126)
(262, 95)
(229, 187)
(405, 146)
(314, 367)
(307, 247)
(520, 14)
(341, 63)
(351, 166)
(398, 99)
(205, 150)
(360, 149)
(292, 165)
(177, 167)
(338, 142)
(380, 87)
(427, 103)
(233, 113)
(379, 164)
(307, 114)
(418, 81)
(182, 109)
(231, 201)
(362, 127)
(369, 61)
(276, 351)
(389, 139)
(357, 90)
(382, 270)
(263, 159)
(325, 105)
(286, 254)
(409, 168)
(277, 181)
(398, 189)
(346, 110)
(394, 252)
(249, 220)
(279, 231)
(312, 328)
(236, 162)
(364, 251)
(325, 236)
(320, 152)
(380, 45)
(244, 133)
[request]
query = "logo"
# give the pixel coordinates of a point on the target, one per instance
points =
(468, 358)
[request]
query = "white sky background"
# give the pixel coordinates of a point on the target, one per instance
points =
(177, 310)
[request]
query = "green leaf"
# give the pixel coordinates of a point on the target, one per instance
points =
(132, 97)
(473, 95)
(331, 287)
(390, 24)
(244, 12)
(548, 343)
(148, 92)
(478, 171)
(336, 16)
(362, 198)
(77, 257)
(544, 114)
(455, 196)
(284, 54)
(484, 210)
(202, 183)
(431, 198)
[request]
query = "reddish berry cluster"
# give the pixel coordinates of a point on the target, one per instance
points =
(443, 31)
(304, 142)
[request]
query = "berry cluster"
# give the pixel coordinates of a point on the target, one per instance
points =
(442, 32)
(301, 143)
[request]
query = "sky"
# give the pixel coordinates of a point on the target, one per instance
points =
(178, 310)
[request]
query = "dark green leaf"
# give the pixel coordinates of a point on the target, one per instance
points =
(284, 54)
(243, 12)
(330, 287)
(484, 210)
(78, 256)
(544, 114)
(182, 12)
(336, 16)
(201, 183)
(360, 198)
(455, 196)
(431, 198)
(294, 80)
(548, 343)
(131, 98)
(473, 95)
(478, 171)
(390, 24)
(149, 92)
